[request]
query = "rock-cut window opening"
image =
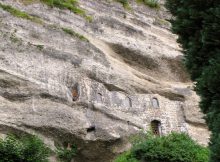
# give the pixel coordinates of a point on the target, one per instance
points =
(75, 92)
(155, 103)
(156, 127)
(128, 102)
(99, 98)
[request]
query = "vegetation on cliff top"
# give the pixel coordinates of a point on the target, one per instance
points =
(150, 3)
(71, 5)
(197, 24)
(172, 148)
(20, 14)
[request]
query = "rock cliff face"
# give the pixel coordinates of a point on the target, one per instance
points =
(97, 90)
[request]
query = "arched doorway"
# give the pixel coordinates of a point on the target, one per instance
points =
(156, 127)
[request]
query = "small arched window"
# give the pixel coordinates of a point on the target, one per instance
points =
(75, 92)
(156, 127)
(128, 102)
(155, 103)
(99, 98)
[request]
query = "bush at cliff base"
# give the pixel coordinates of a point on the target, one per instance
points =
(23, 149)
(172, 148)
(197, 24)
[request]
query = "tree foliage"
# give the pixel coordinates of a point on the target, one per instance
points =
(172, 148)
(24, 149)
(197, 23)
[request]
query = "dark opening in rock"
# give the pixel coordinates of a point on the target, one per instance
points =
(156, 127)
(75, 92)
(91, 129)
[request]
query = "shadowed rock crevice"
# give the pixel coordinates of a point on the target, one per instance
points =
(8, 84)
(16, 97)
(109, 86)
(177, 67)
(118, 25)
(134, 58)
(172, 95)
(197, 124)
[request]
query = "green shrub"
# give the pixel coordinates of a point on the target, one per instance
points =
(23, 149)
(172, 148)
(124, 3)
(126, 157)
(66, 155)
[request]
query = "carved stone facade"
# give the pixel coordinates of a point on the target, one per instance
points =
(147, 107)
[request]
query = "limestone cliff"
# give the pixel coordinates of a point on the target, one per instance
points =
(94, 83)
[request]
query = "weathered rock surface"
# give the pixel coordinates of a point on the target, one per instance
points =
(99, 92)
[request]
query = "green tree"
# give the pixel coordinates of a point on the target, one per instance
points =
(23, 149)
(197, 23)
(172, 148)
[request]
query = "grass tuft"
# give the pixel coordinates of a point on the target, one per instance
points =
(150, 3)
(71, 5)
(40, 47)
(124, 3)
(74, 34)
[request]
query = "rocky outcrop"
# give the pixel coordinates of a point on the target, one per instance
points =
(94, 92)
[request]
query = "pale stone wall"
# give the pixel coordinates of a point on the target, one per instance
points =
(130, 58)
